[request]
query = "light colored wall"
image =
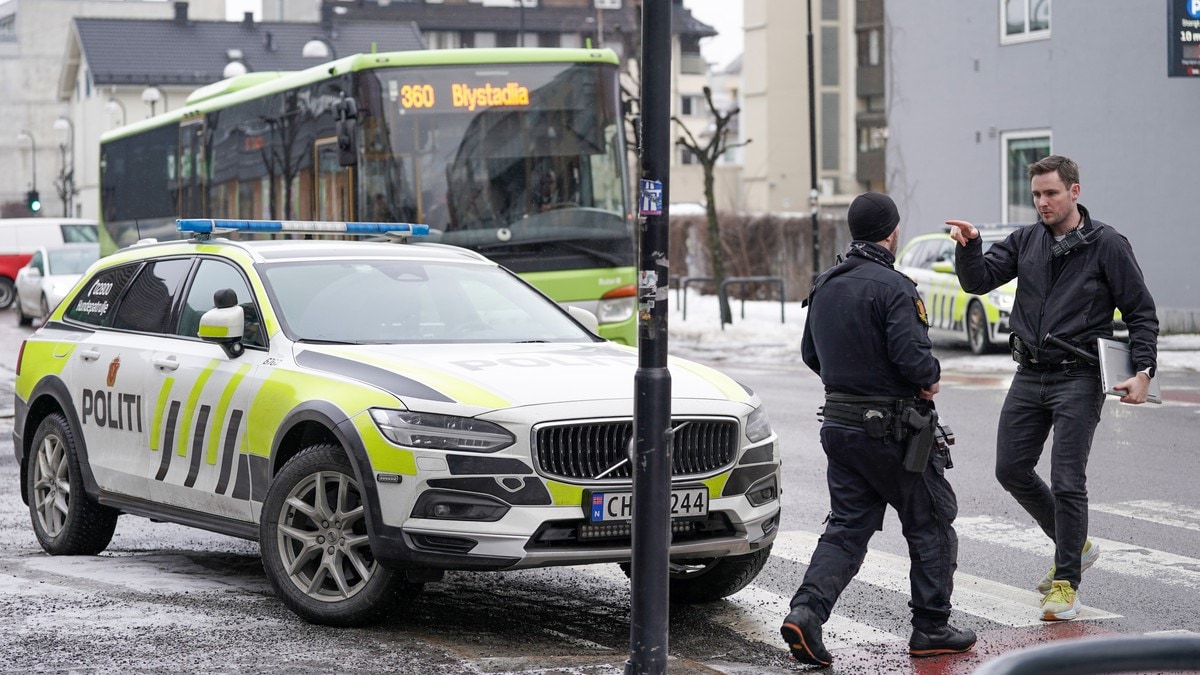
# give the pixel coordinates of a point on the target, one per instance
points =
(953, 90)
(30, 67)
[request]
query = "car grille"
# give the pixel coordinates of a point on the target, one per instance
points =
(590, 450)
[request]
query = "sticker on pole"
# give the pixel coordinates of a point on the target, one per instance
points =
(651, 202)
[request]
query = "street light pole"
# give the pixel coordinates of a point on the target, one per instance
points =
(812, 152)
(651, 540)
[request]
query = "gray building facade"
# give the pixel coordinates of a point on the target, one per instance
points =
(977, 90)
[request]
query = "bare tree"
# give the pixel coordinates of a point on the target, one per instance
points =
(716, 145)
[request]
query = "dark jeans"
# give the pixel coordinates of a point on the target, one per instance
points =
(1069, 401)
(865, 475)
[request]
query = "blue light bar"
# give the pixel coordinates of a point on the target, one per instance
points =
(213, 225)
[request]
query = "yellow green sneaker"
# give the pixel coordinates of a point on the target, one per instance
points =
(1061, 603)
(1090, 553)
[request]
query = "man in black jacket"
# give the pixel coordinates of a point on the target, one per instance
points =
(1071, 272)
(866, 335)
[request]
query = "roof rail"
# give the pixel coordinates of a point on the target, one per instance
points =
(204, 228)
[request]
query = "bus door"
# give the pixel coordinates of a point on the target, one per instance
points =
(334, 183)
(193, 169)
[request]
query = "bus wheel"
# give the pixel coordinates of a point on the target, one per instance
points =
(315, 551)
(977, 329)
(708, 579)
(65, 520)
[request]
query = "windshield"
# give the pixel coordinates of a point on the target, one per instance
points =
(404, 301)
(496, 157)
(71, 260)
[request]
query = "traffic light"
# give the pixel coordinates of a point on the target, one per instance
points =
(33, 201)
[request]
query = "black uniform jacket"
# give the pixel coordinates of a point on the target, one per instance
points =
(866, 331)
(1076, 303)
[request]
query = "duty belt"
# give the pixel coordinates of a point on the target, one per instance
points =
(878, 416)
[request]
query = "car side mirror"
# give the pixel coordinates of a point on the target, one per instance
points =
(584, 317)
(943, 266)
(224, 323)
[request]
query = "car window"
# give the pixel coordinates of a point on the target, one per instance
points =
(96, 301)
(74, 260)
(394, 301)
(212, 276)
(920, 254)
(146, 303)
(79, 232)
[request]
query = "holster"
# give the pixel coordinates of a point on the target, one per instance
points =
(921, 439)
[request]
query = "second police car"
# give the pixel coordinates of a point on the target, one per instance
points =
(372, 414)
(980, 320)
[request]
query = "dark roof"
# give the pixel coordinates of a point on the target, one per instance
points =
(536, 19)
(169, 51)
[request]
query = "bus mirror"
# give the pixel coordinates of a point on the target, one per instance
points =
(347, 132)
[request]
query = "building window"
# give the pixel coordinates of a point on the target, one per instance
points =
(1019, 149)
(830, 125)
(443, 39)
(1023, 20)
(687, 157)
(829, 57)
(608, 4)
(691, 105)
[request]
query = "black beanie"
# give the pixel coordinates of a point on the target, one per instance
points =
(872, 217)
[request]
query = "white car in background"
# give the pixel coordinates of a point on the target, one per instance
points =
(48, 276)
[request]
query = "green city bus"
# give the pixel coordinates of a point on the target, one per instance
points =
(518, 154)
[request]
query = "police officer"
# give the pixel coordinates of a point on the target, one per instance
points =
(1071, 272)
(867, 337)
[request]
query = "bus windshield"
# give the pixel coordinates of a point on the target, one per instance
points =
(498, 158)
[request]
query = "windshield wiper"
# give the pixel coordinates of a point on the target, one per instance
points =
(592, 251)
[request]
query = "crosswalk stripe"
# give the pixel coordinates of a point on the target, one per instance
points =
(1115, 556)
(973, 595)
(1162, 513)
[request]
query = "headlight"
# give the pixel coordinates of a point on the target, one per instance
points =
(440, 432)
(615, 310)
(758, 426)
(1002, 300)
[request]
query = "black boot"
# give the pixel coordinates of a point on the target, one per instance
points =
(944, 639)
(802, 631)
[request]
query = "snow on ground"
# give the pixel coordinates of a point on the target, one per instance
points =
(761, 338)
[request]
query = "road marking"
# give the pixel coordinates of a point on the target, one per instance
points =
(1163, 513)
(756, 614)
(973, 595)
(1115, 556)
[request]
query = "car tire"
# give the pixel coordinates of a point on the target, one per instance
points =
(8, 292)
(711, 579)
(23, 319)
(978, 334)
(332, 583)
(66, 520)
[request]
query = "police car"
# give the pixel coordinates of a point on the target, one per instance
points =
(373, 414)
(980, 320)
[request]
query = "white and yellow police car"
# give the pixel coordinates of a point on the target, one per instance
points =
(372, 414)
(980, 320)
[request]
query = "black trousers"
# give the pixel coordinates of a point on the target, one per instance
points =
(865, 475)
(1070, 402)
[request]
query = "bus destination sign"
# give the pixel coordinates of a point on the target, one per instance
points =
(464, 96)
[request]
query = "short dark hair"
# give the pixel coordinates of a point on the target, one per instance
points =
(1067, 169)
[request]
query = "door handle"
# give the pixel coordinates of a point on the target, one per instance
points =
(168, 363)
(89, 354)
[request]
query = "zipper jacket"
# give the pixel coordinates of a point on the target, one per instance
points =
(1071, 297)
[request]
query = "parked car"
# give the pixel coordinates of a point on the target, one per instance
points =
(20, 237)
(45, 280)
(373, 414)
(980, 320)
